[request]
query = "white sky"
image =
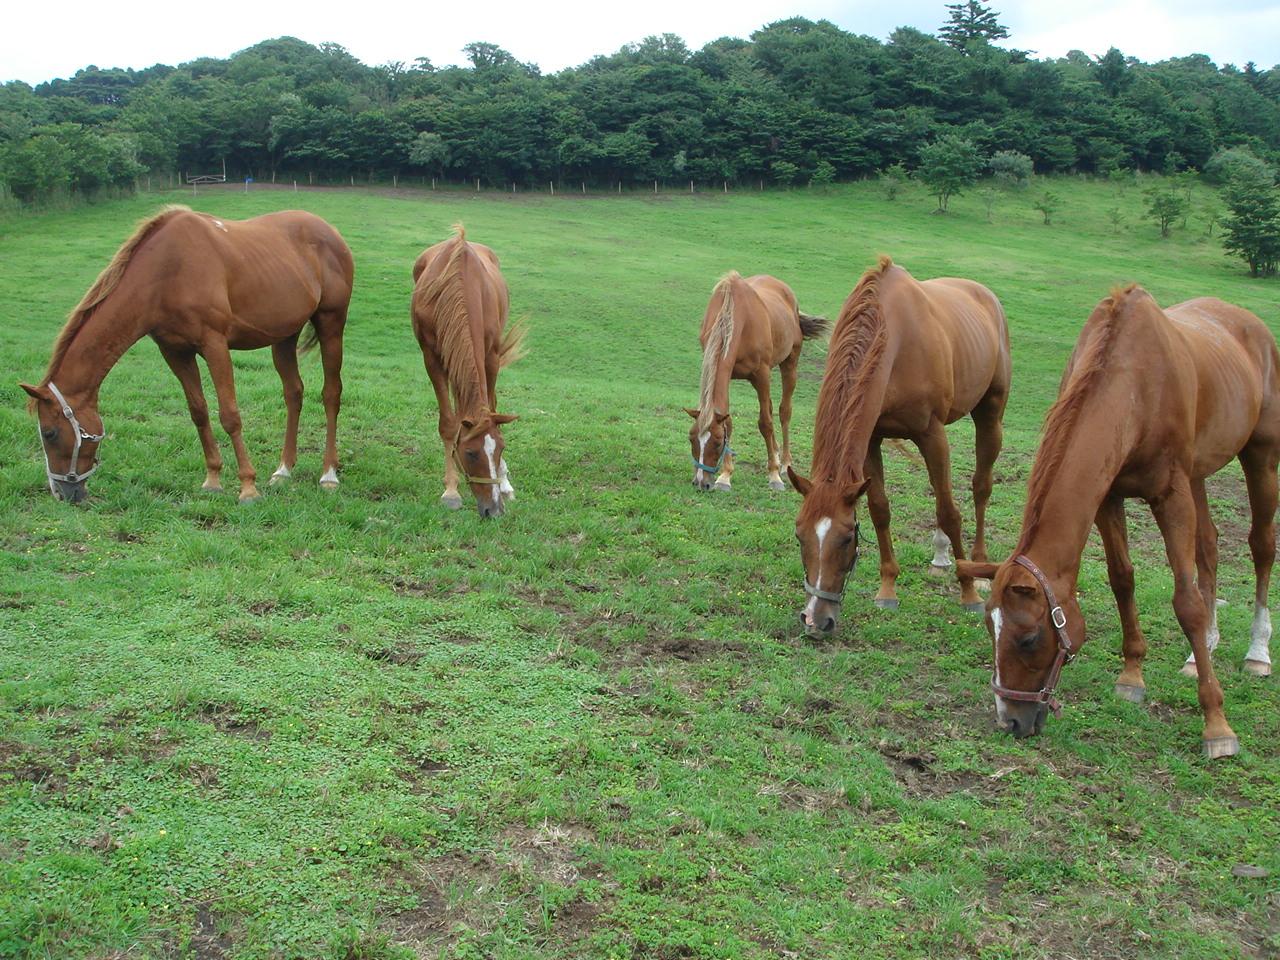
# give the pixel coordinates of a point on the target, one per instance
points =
(39, 43)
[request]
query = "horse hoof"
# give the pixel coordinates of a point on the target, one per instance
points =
(722, 487)
(208, 487)
(1257, 668)
(1127, 691)
(978, 607)
(777, 485)
(280, 476)
(452, 503)
(1189, 669)
(328, 484)
(937, 571)
(1215, 747)
(890, 604)
(250, 497)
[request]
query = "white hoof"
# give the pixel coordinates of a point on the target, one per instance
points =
(722, 487)
(280, 476)
(1189, 668)
(330, 479)
(1257, 668)
(451, 501)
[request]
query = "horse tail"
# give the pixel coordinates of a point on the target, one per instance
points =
(907, 452)
(307, 342)
(512, 346)
(812, 327)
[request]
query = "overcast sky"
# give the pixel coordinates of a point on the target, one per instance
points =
(39, 43)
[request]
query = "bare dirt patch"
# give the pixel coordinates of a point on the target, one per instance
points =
(225, 719)
(401, 655)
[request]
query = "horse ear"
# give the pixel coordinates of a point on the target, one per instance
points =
(721, 417)
(692, 412)
(855, 491)
(977, 569)
(33, 392)
(800, 483)
(501, 418)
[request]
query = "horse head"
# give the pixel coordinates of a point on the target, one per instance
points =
(69, 437)
(1031, 631)
(827, 529)
(478, 453)
(709, 445)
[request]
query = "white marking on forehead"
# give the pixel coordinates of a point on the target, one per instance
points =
(821, 529)
(490, 445)
(702, 445)
(996, 618)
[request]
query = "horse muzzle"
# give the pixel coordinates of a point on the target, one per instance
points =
(70, 491)
(1021, 719)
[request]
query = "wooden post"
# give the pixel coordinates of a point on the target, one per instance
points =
(433, 183)
(619, 188)
(395, 181)
(477, 184)
(311, 178)
(584, 186)
(553, 188)
(295, 186)
(691, 186)
(224, 169)
(726, 186)
(353, 179)
(655, 187)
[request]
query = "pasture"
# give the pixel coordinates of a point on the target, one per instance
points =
(356, 725)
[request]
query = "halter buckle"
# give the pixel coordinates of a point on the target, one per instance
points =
(1058, 617)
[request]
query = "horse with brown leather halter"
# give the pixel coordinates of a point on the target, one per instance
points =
(202, 286)
(906, 359)
(459, 311)
(751, 326)
(1152, 403)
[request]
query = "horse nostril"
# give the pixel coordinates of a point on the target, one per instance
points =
(828, 624)
(1012, 725)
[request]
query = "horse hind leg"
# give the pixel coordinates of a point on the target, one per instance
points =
(329, 325)
(988, 424)
(285, 356)
(1206, 570)
(1260, 479)
(761, 381)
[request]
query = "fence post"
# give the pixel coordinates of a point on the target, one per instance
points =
(477, 184)
(691, 186)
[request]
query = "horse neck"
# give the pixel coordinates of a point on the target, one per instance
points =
(1071, 478)
(840, 444)
(96, 348)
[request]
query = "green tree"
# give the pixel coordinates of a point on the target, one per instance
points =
(893, 178)
(1165, 205)
(1048, 203)
(824, 174)
(1011, 168)
(1251, 229)
(785, 172)
(970, 21)
(949, 165)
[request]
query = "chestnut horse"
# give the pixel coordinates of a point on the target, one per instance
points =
(459, 314)
(907, 358)
(750, 327)
(1152, 403)
(199, 285)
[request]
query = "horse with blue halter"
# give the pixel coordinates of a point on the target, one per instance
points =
(459, 311)
(1151, 404)
(201, 286)
(751, 325)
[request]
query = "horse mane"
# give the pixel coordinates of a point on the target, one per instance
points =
(856, 350)
(106, 284)
(719, 339)
(1079, 383)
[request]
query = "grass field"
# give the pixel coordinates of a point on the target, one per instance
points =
(355, 725)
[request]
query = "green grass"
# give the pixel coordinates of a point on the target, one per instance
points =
(359, 726)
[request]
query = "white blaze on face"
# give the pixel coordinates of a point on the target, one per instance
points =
(490, 445)
(702, 447)
(820, 530)
(996, 619)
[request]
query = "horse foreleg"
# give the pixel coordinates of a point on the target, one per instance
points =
(329, 327)
(285, 356)
(1175, 514)
(790, 369)
(184, 368)
(878, 507)
(218, 358)
(989, 437)
(936, 451)
(447, 427)
(761, 381)
(1115, 541)
(1206, 569)
(1260, 479)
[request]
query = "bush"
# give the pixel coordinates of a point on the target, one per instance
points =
(1225, 165)
(1011, 168)
(1252, 228)
(893, 179)
(824, 174)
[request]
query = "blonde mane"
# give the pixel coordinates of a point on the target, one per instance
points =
(1079, 384)
(855, 353)
(719, 340)
(106, 284)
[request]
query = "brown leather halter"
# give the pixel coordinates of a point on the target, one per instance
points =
(462, 467)
(1065, 654)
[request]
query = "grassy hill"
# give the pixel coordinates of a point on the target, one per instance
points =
(357, 725)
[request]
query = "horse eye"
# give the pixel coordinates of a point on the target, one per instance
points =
(49, 433)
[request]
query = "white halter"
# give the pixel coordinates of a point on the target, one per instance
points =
(71, 476)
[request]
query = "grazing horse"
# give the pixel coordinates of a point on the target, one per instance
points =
(459, 314)
(750, 327)
(1152, 403)
(906, 359)
(199, 285)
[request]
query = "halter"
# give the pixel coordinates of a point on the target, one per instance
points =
(813, 591)
(1065, 656)
(724, 452)
(71, 476)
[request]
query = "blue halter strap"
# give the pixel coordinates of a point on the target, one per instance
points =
(704, 468)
